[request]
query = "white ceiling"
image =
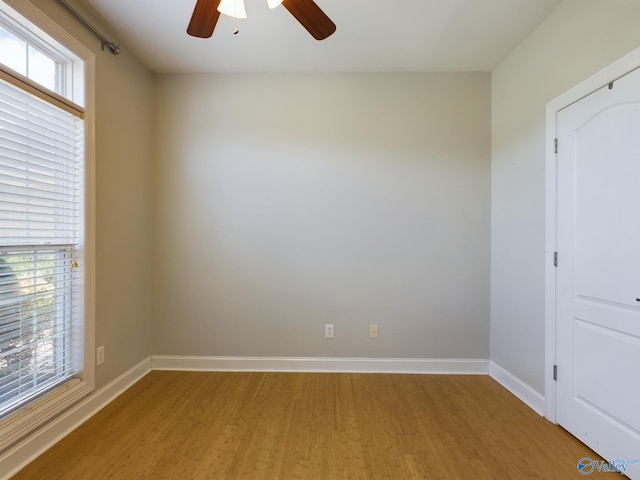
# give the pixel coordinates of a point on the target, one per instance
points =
(372, 35)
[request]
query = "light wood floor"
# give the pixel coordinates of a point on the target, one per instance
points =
(189, 425)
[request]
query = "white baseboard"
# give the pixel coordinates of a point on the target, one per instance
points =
(524, 392)
(33, 446)
(321, 364)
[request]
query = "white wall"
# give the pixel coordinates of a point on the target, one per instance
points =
(580, 38)
(284, 202)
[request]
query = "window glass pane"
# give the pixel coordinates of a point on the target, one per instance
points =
(43, 69)
(13, 51)
(35, 295)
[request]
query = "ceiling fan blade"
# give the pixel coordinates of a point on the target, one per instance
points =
(311, 17)
(204, 19)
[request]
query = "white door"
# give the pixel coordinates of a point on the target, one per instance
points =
(598, 273)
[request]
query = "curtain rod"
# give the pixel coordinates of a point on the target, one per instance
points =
(112, 46)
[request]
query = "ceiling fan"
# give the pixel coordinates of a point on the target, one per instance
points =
(311, 17)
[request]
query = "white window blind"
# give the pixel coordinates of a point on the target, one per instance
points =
(41, 240)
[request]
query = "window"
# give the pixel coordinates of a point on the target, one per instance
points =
(41, 147)
(27, 59)
(44, 360)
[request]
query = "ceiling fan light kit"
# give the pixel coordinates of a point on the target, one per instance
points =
(233, 8)
(306, 12)
(273, 3)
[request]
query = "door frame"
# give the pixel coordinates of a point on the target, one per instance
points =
(613, 72)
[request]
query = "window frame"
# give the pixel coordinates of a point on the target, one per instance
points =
(23, 421)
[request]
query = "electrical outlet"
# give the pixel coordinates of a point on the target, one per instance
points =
(100, 355)
(373, 331)
(328, 330)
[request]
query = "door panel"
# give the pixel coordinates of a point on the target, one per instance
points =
(598, 274)
(606, 176)
(604, 349)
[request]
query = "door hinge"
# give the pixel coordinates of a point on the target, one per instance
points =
(555, 145)
(555, 372)
(555, 259)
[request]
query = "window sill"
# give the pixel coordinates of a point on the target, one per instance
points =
(27, 419)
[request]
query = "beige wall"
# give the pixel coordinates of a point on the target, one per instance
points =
(580, 38)
(284, 202)
(123, 201)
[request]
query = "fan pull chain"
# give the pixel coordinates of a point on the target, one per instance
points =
(235, 26)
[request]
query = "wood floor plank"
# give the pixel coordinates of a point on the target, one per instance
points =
(237, 426)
